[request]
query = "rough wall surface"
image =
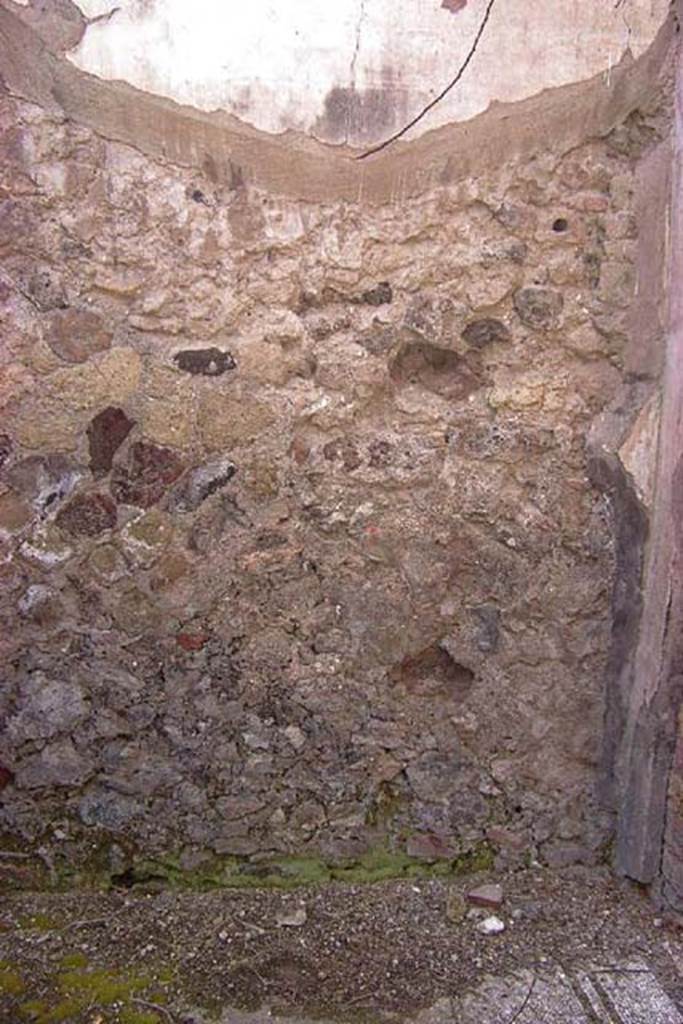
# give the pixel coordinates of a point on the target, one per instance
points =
(300, 550)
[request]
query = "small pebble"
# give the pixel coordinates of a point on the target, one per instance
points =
(491, 926)
(292, 919)
(486, 896)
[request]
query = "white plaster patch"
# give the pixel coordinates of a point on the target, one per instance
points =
(275, 65)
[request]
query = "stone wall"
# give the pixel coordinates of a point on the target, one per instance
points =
(300, 552)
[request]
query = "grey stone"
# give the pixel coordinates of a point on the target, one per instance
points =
(488, 627)
(199, 483)
(486, 331)
(44, 480)
(295, 918)
(107, 809)
(538, 307)
(46, 708)
(58, 764)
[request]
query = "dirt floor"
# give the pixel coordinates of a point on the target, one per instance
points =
(381, 952)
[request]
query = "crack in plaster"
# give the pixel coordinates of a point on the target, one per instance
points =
(444, 92)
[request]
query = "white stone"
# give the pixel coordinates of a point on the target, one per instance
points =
(491, 925)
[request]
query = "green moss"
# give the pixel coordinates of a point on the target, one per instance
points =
(379, 865)
(72, 960)
(128, 1016)
(11, 982)
(40, 923)
(103, 987)
(164, 975)
(65, 1010)
(33, 1009)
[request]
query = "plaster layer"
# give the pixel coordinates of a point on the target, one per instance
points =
(355, 71)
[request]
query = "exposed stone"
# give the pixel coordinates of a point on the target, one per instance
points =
(434, 672)
(106, 433)
(456, 907)
(45, 708)
(206, 362)
(106, 808)
(491, 926)
(490, 895)
(15, 513)
(77, 334)
(145, 474)
(227, 421)
(480, 333)
(149, 533)
(436, 369)
(107, 563)
(87, 515)
(538, 307)
(344, 450)
(488, 627)
(431, 847)
(192, 641)
(44, 480)
(46, 546)
(46, 290)
(295, 736)
(57, 764)
(380, 295)
(6, 777)
(295, 918)
(6, 448)
(199, 483)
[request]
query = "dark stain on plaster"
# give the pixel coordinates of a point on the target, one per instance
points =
(453, 5)
(361, 115)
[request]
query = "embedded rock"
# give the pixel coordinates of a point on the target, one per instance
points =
(45, 708)
(87, 515)
(538, 307)
(205, 362)
(199, 483)
(106, 433)
(486, 331)
(144, 475)
(44, 480)
(77, 334)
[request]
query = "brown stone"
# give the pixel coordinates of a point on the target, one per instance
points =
(486, 896)
(14, 512)
(88, 515)
(226, 421)
(77, 334)
(106, 433)
(145, 475)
